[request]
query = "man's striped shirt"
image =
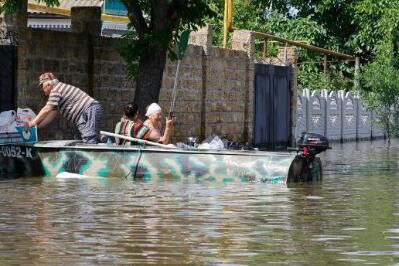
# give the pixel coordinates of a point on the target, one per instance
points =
(70, 101)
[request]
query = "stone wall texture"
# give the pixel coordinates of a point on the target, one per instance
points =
(71, 57)
(214, 92)
(214, 88)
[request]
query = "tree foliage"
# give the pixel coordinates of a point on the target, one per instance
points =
(10, 6)
(380, 89)
(349, 26)
(368, 29)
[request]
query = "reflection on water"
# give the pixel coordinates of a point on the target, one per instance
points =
(350, 218)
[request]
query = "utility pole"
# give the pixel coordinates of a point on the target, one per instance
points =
(228, 20)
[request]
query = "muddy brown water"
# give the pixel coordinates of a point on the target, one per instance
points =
(350, 218)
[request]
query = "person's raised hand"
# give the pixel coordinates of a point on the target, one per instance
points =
(170, 122)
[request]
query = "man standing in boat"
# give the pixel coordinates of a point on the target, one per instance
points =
(73, 103)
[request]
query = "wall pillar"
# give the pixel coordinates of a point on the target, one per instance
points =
(244, 40)
(13, 26)
(202, 37)
(86, 20)
(289, 57)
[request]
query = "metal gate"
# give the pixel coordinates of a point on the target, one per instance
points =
(272, 106)
(8, 64)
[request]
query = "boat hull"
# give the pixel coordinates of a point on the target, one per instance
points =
(147, 163)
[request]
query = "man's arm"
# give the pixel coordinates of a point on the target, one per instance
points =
(46, 115)
(48, 119)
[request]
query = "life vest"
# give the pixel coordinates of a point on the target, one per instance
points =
(130, 129)
(124, 128)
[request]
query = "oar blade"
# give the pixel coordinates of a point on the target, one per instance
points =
(183, 44)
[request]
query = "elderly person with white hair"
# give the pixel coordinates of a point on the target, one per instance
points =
(73, 103)
(154, 121)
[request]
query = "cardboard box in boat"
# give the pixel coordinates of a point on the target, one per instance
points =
(19, 135)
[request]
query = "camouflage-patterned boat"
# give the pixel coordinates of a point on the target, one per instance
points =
(49, 158)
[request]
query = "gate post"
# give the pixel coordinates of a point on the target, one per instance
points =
(244, 40)
(289, 55)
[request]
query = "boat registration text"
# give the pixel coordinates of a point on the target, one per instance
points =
(16, 151)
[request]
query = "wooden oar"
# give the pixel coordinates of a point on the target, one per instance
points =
(140, 141)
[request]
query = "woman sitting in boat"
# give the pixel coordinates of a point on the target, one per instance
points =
(131, 126)
(154, 121)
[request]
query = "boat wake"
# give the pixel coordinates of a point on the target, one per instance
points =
(68, 175)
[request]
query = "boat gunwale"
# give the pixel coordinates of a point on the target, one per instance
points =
(71, 145)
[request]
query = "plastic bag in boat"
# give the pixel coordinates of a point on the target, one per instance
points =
(23, 115)
(212, 142)
(11, 126)
(7, 121)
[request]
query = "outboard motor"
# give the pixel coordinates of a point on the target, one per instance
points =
(312, 144)
(306, 166)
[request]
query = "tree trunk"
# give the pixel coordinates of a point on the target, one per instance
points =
(149, 78)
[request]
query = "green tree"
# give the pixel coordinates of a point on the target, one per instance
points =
(380, 77)
(281, 18)
(348, 26)
(380, 89)
(374, 20)
(156, 26)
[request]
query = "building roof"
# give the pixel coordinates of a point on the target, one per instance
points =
(58, 17)
(67, 4)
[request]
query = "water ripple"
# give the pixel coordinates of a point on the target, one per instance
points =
(351, 217)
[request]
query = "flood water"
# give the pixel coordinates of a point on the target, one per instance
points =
(350, 218)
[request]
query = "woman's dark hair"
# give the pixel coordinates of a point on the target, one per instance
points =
(131, 110)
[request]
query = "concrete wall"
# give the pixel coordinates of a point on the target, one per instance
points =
(215, 89)
(90, 63)
(112, 87)
(188, 93)
(214, 92)
(339, 116)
